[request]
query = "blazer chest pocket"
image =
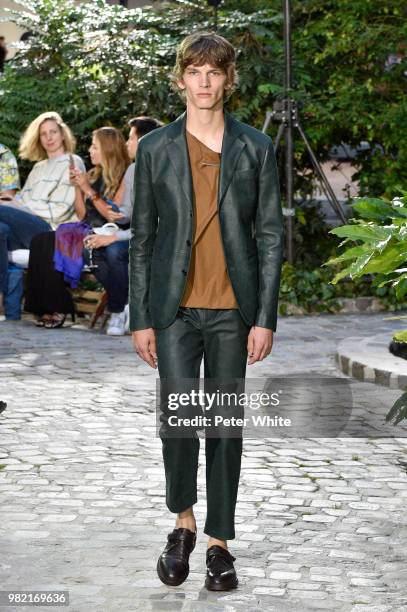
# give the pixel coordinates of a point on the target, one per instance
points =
(246, 174)
(244, 187)
(245, 179)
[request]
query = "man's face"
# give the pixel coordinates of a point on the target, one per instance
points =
(204, 86)
(132, 143)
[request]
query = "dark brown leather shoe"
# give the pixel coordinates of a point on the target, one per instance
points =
(220, 573)
(173, 563)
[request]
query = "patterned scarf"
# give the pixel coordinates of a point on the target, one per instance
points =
(68, 255)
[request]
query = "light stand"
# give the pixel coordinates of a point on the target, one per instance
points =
(285, 112)
(215, 4)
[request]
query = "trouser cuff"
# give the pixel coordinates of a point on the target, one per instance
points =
(182, 504)
(220, 534)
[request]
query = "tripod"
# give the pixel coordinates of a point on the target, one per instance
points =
(285, 112)
(215, 4)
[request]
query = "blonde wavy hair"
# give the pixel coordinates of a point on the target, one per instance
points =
(115, 159)
(30, 143)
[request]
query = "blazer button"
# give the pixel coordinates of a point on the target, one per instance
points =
(184, 272)
(188, 243)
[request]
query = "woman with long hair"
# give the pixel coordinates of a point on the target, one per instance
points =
(97, 194)
(47, 198)
(139, 127)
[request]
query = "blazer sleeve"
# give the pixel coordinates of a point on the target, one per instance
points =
(269, 232)
(144, 223)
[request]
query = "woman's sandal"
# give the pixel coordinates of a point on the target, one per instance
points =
(43, 320)
(57, 320)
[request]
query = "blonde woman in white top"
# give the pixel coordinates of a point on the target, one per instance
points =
(48, 197)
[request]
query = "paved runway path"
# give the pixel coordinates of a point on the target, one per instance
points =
(321, 523)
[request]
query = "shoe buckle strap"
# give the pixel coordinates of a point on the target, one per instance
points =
(225, 556)
(181, 541)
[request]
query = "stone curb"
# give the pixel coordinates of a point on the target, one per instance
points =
(369, 360)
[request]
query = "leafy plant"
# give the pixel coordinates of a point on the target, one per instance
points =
(381, 234)
(398, 411)
(401, 336)
(308, 284)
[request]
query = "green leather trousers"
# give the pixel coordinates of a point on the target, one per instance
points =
(220, 338)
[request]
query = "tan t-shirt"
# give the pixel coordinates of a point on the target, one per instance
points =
(208, 284)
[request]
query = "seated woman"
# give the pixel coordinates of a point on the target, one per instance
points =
(47, 295)
(118, 323)
(47, 198)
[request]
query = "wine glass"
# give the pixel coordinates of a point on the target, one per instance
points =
(91, 265)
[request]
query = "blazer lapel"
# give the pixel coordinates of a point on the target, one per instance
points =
(232, 148)
(178, 153)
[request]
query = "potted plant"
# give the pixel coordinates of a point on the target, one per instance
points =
(376, 244)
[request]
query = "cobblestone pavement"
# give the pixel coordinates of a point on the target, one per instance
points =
(321, 523)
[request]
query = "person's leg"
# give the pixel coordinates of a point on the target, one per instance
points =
(179, 353)
(225, 338)
(113, 273)
(46, 291)
(22, 226)
(17, 228)
(4, 234)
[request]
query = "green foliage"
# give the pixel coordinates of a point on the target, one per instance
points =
(101, 64)
(313, 243)
(381, 228)
(348, 90)
(398, 411)
(308, 289)
(98, 64)
(401, 336)
(90, 283)
(308, 285)
(312, 290)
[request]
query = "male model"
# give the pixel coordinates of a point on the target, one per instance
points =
(205, 262)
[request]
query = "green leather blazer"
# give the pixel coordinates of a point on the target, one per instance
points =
(162, 224)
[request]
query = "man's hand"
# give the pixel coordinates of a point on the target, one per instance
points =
(259, 343)
(145, 346)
